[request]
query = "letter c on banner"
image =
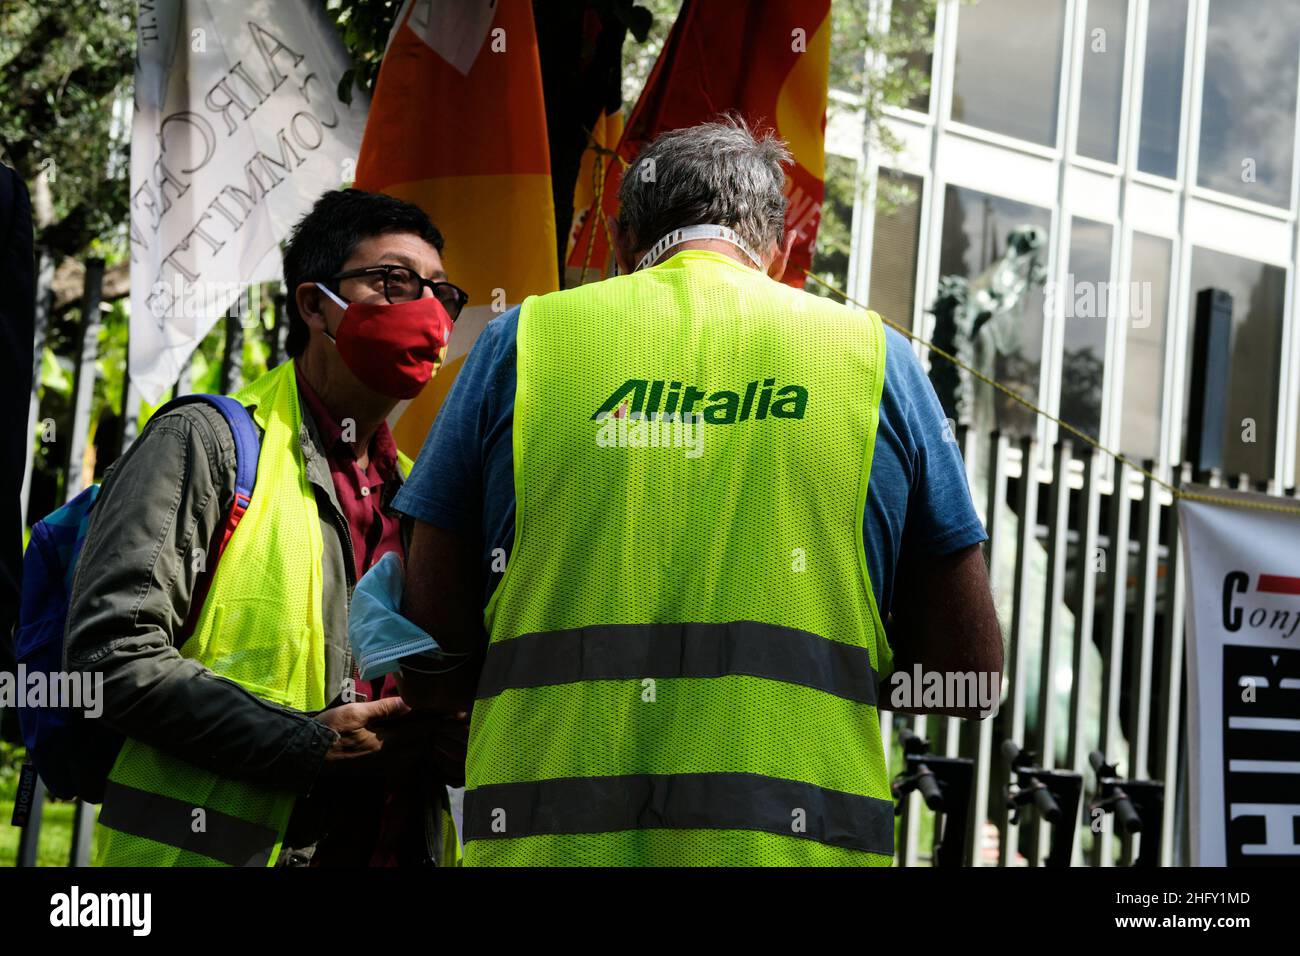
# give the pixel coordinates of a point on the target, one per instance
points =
(1233, 581)
(199, 123)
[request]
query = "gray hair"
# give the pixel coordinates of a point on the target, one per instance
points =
(712, 173)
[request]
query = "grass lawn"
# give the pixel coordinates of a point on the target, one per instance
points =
(56, 834)
(56, 819)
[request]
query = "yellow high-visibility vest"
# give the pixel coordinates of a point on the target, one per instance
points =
(261, 627)
(684, 649)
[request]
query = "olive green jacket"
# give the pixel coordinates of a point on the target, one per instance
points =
(160, 506)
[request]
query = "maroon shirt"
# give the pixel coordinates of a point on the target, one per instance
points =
(360, 491)
(374, 533)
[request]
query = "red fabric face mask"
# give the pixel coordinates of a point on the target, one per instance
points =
(393, 349)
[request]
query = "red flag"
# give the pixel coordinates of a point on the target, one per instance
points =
(764, 59)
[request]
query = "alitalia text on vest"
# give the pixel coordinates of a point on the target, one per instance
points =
(659, 398)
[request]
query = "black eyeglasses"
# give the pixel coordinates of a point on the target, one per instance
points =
(400, 284)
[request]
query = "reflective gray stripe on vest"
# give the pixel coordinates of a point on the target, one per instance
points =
(688, 801)
(230, 840)
(637, 651)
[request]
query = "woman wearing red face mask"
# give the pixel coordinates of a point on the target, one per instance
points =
(384, 321)
(394, 347)
(260, 716)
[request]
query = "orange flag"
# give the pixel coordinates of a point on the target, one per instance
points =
(765, 59)
(457, 126)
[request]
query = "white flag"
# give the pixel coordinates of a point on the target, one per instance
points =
(1243, 694)
(237, 130)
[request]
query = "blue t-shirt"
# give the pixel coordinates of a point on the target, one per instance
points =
(918, 502)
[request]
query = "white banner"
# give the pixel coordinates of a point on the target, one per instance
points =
(237, 130)
(1243, 666)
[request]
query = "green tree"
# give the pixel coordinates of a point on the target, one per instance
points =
(873, 70)
(65, 80)
(882, 65)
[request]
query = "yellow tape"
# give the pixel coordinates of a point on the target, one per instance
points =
(1082, 436)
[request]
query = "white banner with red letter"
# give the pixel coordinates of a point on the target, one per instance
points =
(1243, 667)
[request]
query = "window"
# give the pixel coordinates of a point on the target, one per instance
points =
(905, 19)
(894, 246)
(1295, 477)
(1255, 347)
(1144, 351)
(1103, 80)
(834, 232)
(1085, 313)
(977, 228)
(1252, 52)
(1008, 71)
(1162, 88)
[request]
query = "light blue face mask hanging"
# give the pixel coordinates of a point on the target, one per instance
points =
(380, 635)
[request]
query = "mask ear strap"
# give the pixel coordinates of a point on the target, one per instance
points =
(343, 305)
(326, 290)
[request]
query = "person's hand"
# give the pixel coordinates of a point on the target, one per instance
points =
(386, 736)
(370, 732)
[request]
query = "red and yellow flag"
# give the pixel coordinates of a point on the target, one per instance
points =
(457, 126)
(765, 59)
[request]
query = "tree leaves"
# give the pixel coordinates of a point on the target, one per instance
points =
(65, 99)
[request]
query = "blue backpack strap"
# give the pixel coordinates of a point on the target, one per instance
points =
(248, 443)
(248, 446)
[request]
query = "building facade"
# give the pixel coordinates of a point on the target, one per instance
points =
(1154, 143)
(1151, 144)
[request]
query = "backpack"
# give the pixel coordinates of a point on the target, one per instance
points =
(72, 753)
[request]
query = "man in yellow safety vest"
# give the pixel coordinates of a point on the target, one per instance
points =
(693, 521)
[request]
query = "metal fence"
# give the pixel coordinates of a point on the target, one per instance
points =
(1094, 643)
